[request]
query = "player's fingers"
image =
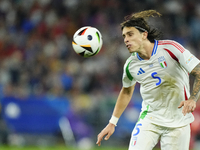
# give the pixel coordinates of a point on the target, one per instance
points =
(187, 109)
(99, 142)
(108, 136)
(193, 108)
(181, 104)
(99, 139)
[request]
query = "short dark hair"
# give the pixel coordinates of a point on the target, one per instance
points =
(138, 21)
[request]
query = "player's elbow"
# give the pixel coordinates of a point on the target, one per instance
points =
(127, 91)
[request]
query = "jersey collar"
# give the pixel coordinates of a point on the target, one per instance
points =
(153, 52)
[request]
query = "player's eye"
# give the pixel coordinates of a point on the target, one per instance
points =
(130, 34)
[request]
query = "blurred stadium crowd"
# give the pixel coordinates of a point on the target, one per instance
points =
(37, 59)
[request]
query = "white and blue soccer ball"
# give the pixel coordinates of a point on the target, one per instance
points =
(87, 41)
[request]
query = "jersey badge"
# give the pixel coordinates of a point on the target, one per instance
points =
(162, 62)
(188, 61)
(133, 142)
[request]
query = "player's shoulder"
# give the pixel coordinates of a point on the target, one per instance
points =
(171, 45)
(168, 42)
(131, 57)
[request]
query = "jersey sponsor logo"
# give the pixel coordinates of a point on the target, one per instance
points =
(141, 71)
(162, 62)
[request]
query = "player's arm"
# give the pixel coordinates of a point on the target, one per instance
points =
(121, 104)
(123, 100)
(190, 104)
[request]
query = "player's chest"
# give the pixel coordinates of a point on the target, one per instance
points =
(155, 68)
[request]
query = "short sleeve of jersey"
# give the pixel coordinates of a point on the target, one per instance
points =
(127, 79)
(185, 58)
(189, 61)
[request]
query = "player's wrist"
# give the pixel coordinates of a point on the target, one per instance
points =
(193, 98)
(113, 120)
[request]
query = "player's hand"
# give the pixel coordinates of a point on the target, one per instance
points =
(108, 131)
(188, 106)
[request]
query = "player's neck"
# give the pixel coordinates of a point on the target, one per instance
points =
(146, 50)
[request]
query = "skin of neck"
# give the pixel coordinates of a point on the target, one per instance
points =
(146, 49)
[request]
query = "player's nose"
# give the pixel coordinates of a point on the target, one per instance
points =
(126, 40)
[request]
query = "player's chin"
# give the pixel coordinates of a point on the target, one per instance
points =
(131, 50)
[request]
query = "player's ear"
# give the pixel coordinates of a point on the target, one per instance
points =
(144, 35)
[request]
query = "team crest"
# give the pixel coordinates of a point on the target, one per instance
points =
(162, 62)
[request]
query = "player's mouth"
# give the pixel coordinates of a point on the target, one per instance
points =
(128, 46)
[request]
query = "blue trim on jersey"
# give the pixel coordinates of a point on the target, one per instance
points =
(153, 52)
(139, 57)
(155, 48)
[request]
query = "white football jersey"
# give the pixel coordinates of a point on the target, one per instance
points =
(164, 82)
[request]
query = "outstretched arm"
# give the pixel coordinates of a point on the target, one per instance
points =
(190, 104)
(121, 104)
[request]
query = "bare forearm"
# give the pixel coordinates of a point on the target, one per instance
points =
(196, 87)
(122, 101)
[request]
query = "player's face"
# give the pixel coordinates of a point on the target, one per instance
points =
(133, 39)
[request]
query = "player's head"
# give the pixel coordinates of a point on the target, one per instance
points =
(138, 20)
